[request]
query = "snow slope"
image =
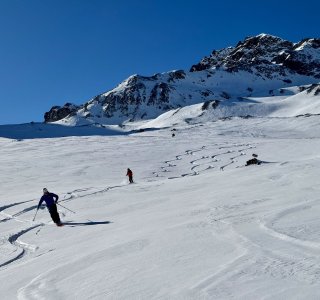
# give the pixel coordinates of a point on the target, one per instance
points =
(42, 130)
(292, 102)
(196, 224)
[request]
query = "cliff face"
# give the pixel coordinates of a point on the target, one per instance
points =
(267, 55)
(255, 66)
(57, 113)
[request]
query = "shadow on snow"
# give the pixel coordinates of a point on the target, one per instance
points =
(42, 130)
(86, 223)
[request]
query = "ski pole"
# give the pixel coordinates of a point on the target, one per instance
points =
(35, 215)
(66, 208)
(71, 210)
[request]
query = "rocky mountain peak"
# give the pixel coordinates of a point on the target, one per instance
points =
(263, 62)
(266, 54)
(264, 40)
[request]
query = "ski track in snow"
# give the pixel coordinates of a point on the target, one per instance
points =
(10, 244)
(19, 248)
(267, 226)
(209, 160)
(85, 192)
(282, 256)
(9, 217)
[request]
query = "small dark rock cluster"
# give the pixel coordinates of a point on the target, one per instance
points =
(210, 104)
(315, 88)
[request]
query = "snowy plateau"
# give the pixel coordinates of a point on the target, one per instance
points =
(196, 223)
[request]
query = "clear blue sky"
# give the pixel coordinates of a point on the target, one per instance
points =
(58, 51)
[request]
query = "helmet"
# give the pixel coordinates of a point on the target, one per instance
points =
(45, 190)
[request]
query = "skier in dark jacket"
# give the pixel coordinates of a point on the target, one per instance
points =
(129, 174)
(51, 199)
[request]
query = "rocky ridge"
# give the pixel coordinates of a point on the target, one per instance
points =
(258, 65)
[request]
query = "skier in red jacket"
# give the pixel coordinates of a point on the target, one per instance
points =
(129, 174)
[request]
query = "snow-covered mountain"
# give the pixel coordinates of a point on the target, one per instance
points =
(260, 66)
(289, 102)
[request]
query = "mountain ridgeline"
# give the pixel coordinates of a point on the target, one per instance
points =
(258, 66)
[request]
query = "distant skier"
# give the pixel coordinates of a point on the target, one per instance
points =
(51, 199)
(129, 174)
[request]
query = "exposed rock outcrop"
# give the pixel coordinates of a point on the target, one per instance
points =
(59, 112)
